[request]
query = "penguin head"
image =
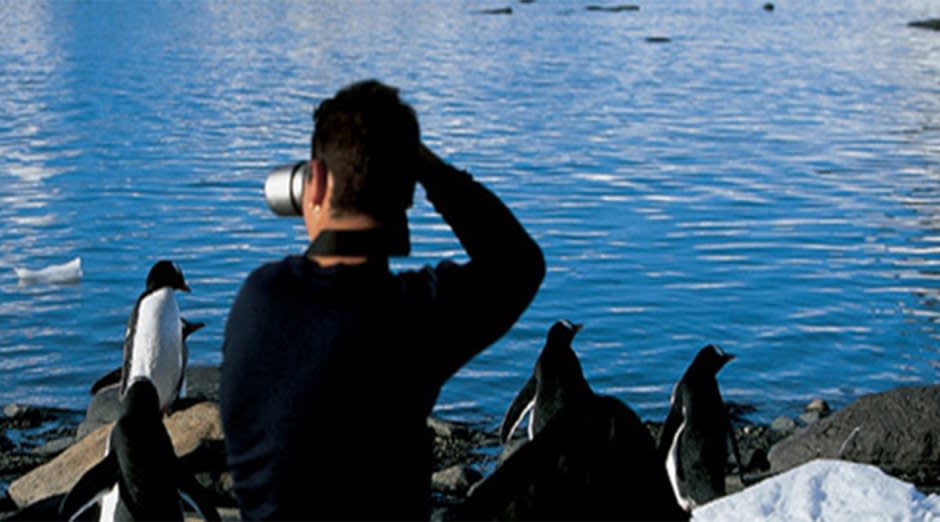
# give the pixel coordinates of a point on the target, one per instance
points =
(141, 398)
(710, 360)
(166, 274)
(558, 360)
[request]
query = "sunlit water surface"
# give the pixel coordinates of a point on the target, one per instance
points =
(766, 181)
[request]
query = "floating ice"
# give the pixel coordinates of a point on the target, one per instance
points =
(825, 490)
(70, 272)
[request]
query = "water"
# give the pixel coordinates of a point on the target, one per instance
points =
(766, 181)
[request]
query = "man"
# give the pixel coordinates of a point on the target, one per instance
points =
(331, 362)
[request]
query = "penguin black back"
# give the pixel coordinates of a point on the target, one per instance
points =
(695, 436)
(557, 381)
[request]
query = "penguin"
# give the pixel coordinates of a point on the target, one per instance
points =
(140, 477)
(153, 341)
(556, 381)
(588, 457)
(114, 376)
(695, 435)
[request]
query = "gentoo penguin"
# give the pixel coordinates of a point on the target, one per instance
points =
(140, 477)
(556, 381)
(589, 457)
(153, 342)
(114, 376)
(695, 436)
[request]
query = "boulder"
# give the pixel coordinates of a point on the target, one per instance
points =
(188, 429)
(202, 384)
(897, 430)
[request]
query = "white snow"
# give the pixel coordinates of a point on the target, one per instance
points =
(70, 272)
(825, 490)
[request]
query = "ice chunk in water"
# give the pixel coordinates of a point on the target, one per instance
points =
(70, 272)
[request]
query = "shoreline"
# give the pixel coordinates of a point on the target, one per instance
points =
(33, 438)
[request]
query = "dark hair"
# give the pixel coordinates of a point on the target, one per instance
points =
(367, 137)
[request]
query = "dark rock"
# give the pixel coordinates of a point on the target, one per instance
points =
(202, 383)
(768, 6)
(496, 11)
(455, 480)
(658, 39)
(933, 23)
(104, 407)
(897, 431)
(22, 417)
(613, 8)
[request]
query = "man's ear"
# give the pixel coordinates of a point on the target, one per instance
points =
(315, 191)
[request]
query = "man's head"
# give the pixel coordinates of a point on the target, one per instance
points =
(366, 138)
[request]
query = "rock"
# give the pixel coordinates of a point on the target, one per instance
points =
(54, 446)
(446, 429)
(895, 430)
(13, 411)
(819, 406)
(768, 7)
(809, 417)
(613, 8)
(202, 383)
(104, 408)
(658, 39)
(455, 480)
(783, 425)
(188, 430)
(933, 23)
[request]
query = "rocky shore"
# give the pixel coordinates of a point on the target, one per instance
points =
(44, 450)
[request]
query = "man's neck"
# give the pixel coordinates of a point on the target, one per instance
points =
(351, 222)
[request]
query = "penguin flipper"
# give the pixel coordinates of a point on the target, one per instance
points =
(518, 408)
(108, 379)
(94, 484)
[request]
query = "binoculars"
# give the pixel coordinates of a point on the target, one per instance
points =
(284, 187)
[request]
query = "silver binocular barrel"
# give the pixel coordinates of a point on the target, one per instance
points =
(284, 187)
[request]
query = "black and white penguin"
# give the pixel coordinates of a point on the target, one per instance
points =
(153, 342)
(589, 456)
(114, 376)
(694, 440)
(556, 381)
(140, 476)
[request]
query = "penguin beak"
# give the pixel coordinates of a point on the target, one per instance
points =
(184, 287)
(577, 327)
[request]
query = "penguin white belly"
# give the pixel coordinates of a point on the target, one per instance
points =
(672, 470)
(109, 505)
(157, 352)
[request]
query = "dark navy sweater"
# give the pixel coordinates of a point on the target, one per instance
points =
(329, 373)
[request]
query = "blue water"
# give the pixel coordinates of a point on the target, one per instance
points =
(766, 181)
